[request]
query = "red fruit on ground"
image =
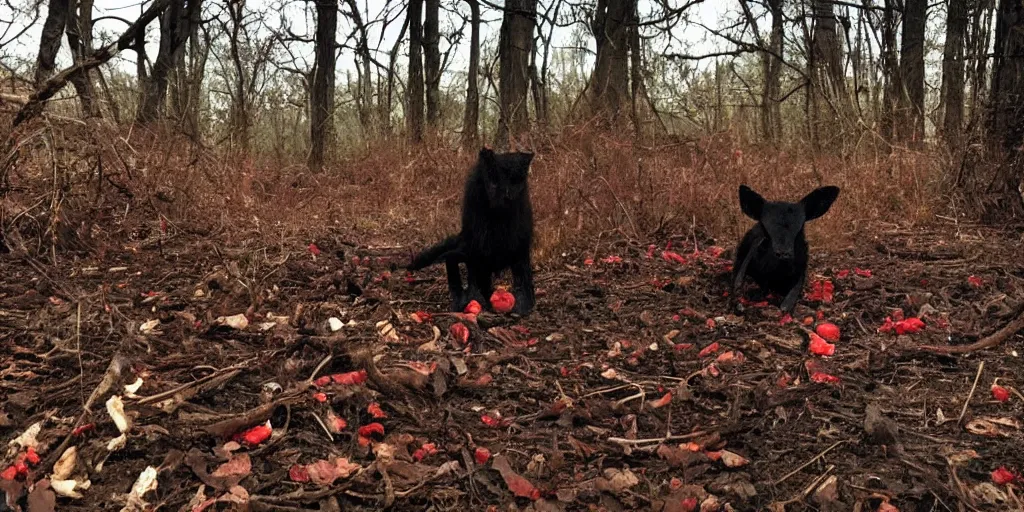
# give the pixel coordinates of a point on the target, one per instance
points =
(502, 301)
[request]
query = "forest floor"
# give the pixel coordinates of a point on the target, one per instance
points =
(633, 386)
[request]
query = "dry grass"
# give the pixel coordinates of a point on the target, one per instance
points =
(584, 185)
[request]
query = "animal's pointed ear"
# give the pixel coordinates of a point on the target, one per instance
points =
(751, 202)
(525, 159)
(819, 201)
(487, 155)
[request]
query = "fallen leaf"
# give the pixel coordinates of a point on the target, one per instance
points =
(617, 480)
(298, 473)
(519, 486)
(325, 472)
(387, 331)
(238, 466)
(733, 460)
(710, 349)
(862, 272)
(115, 408)
(663, 401)
(65, 465)
(238, 321)
(975, 281)
(149, 326)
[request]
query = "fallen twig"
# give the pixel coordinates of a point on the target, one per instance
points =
(654, 440)
(963, 411)
(990, 341)
(808, 463)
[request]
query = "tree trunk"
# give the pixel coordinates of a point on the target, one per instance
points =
(432, 61)
(980, 37)
(471, 116)
(515, 44)
(414, 87)
(831, 104)
(912, 71)
(1007, 104)
(890, 72)
(365, 96)
(1007, 98)
(49, 41)
(609, 85)
(771, 115)
(321, 101)
(953, 72)
(79, 32)
(385, 102)
(175, 27)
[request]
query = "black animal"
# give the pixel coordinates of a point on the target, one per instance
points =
(497, 233)
(774, 252)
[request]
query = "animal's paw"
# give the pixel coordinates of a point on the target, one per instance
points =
(524, 305)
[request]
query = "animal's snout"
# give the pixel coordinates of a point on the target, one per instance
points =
(784, 254)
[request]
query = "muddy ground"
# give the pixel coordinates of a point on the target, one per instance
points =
(633, 386)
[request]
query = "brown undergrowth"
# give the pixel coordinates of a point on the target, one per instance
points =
(88, 184)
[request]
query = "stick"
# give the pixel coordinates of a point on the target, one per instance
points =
(634, 442)
(981, 366)
(808, 463)
(987, 342)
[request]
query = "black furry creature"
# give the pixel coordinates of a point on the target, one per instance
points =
(774, 252)
(497, 233)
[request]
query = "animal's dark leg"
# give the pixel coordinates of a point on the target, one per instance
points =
(458, 295)
(737, 284)
(522, 286)
(479, 284)
(794, 295)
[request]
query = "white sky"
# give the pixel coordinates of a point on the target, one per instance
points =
(299, 16)
(688, 38)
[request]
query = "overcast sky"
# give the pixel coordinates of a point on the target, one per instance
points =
(301, 20)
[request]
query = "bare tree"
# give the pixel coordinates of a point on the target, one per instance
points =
(609, 84)
(64, 16)
(829, 101)
(186, 84)
(515, 45)
(432, 61)
(1007, 99)
(912, 71)
(175, 27)
(893, 83)
(471, 116)
(321, 102)
(364, 98)
(953, 70)
(414, 87)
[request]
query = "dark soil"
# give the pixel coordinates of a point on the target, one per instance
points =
(571, 402)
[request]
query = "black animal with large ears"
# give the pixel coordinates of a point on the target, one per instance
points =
(497, 233)
(774, 252)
